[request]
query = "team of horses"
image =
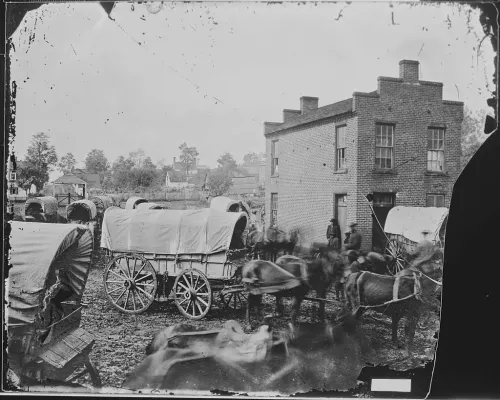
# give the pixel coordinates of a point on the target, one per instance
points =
(327, 355)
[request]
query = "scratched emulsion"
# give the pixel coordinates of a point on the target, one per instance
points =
(224, 81)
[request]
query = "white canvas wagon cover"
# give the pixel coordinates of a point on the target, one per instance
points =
(204, 231)
(37, 249)
(222, 203)
(411, 221)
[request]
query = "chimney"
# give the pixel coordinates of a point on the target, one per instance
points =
(308, 104)
(408, 71)
(174, 162)
(289, 114)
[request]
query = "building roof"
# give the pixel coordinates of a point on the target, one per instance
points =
(69, 179)
(330, 110)
(93, 180)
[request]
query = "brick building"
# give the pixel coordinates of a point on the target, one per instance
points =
(400, 142)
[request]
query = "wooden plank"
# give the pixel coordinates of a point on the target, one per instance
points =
(67, 348)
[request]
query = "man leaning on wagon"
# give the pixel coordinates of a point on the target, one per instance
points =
(355, 238)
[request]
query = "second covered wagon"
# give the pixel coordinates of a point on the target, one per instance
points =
(190, 253)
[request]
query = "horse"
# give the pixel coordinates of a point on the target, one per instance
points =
(291, 276)
(397, 296)
(324, 356)
(268, 243)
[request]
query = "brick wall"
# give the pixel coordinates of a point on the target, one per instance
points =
(308, 180)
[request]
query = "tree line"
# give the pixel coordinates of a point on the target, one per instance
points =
(135, 171)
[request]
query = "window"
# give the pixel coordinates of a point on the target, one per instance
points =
(435, 200)
(274, 208)
(384, 146)
(435, 149)
(383, 199)
(341, 147)
(274, 157)
(13, 176)
(14, 190)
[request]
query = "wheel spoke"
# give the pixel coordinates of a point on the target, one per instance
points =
(133, 300)
(126, 299)
(183, 301)
(128, 266)
(115, 281)
(118, 275)
(114, 290)
(192, 279)
(119, 297)
(204, 284)
(197, 279)
(203, 301)
(140, 299)
(185, 279)
(138, 272)
(181, 285)
(147, 294)
(121, 269)
(135, 263)
(143, 277)
(194, 312)
(199, 308)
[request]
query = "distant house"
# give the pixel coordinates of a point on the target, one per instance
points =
(69, 183)
(172, 183)
(14, 191)
(244, 184)
(194, 168)
(93, 180)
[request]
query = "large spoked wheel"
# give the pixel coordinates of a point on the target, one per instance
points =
(130, 283)
(193, 295)
(234, 299)
(397, 251)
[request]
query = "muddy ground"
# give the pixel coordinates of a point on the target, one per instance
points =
(121, 339)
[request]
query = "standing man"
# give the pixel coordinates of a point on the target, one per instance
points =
(333, 234)
(355, 238)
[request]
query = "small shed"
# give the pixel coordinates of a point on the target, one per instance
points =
(71, 180)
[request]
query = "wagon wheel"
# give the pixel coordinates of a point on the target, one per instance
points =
(130, 283)
(193, 295)
(235, 300)
(397, 251)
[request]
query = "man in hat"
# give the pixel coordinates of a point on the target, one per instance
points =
(333, 234)
(355, 238)
(424, 251)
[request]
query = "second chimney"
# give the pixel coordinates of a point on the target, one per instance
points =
(289, 114)
(174, 162)
(308, 104)
(408, 71)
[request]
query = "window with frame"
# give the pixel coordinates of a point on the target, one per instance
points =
(384, 146)
(435, 200)
(435, 149)
(14, 190)
(274, 208)
(274, 157)
(13, 176)
(341, 144)
(383, 199)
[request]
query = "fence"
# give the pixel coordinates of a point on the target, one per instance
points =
(65, 199)
(183, 195)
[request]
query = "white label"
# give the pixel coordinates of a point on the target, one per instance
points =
(391, 385)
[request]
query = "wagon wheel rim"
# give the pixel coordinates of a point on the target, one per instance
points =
(130, 283)
(193, 294)
(396, 250)
(234, 300)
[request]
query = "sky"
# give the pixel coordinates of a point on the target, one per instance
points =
(210, 74)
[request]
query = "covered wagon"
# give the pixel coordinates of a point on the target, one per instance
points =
(41, 209)
(83, 212)
(151, 206)
(133, 202)
(404, 227)
(50, 266)
(190, 253)
(222, 203)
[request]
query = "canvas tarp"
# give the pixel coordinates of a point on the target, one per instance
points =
(133, 201)
(411, 221)
(102, 203)
(222, 203)
(202, 231)
(87, 205)
(38, 249)
(150, 206)
(48, 203)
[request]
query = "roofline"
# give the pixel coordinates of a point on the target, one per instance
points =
(322, 120)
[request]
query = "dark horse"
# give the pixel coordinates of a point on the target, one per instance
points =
(417, 284)
(290, 277)
(268, 244)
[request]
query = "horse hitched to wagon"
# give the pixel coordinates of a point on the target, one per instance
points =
(403, 229)
(187, 253)
(50, 266)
